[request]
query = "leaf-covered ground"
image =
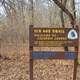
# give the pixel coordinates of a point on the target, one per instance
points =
(14, 63)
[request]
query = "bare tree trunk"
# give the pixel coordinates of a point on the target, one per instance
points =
(73, 10)
(60, 5)
(62, 13)
(31, 12)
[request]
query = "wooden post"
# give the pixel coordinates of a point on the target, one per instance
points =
(31, 50)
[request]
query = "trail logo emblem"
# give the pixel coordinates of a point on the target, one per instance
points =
(72, 34)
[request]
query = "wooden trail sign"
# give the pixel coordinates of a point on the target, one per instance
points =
(53, 37)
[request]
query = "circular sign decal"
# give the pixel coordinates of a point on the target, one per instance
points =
(72, 34)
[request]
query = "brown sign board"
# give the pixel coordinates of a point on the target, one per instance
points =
(54, 37)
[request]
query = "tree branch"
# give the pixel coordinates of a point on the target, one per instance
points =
(3, 2)
(65, 10)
